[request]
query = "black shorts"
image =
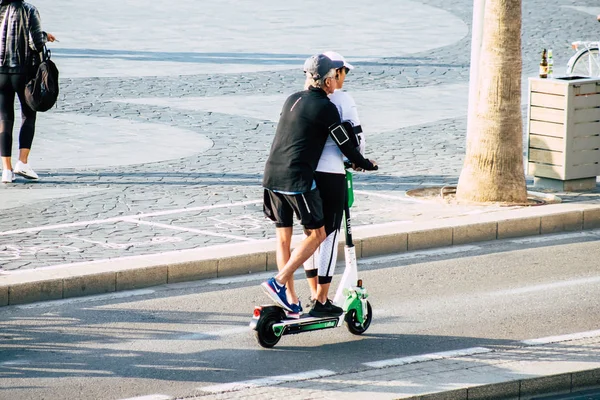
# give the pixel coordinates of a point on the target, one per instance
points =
(280, 208)
(332, 188)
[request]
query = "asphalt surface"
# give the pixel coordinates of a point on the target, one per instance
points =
(177, 339)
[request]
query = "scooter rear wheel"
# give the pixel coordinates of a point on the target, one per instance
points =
(354, 326)
(264, 333)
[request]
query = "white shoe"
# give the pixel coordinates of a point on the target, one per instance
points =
(7, 176)
(25, 171)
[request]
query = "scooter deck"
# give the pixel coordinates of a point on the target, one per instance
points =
(307, 323)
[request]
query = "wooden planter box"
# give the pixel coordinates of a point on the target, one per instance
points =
(563, 132)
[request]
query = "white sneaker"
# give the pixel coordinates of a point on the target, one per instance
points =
(25, 171)
(7, 176)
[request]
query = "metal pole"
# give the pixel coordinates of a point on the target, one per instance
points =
(476, 38)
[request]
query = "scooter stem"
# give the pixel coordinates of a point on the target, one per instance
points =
(351, 271)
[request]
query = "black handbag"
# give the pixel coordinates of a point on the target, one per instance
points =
(41, 92)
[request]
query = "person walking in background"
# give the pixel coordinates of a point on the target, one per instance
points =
(21, 39)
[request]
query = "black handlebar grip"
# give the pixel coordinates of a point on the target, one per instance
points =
(348, 165)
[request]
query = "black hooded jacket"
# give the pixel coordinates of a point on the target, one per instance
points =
(20, 35)
(303, 128)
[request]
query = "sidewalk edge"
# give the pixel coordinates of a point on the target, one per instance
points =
(105, 276)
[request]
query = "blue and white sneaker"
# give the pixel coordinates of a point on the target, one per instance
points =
(296, 310)
(277, 292)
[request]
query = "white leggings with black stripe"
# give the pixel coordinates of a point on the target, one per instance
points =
(322, 262)
(332, 188)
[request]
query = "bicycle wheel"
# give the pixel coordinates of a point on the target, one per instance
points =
(584, 63)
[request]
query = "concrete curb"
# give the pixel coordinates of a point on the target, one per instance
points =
(104, 276)
(523, 389)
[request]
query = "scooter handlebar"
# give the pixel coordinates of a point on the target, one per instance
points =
(348, 165)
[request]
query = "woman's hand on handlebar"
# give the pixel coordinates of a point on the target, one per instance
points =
(375, 167)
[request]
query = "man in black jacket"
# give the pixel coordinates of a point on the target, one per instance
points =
(307, 119)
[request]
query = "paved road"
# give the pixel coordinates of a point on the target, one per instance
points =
(581, 395)
(168, 112)
(177, 339)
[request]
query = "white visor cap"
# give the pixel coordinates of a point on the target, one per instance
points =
(338, 57)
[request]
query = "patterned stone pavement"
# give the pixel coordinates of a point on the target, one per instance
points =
(167, 113)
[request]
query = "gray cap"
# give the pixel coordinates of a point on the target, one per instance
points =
(319, 65)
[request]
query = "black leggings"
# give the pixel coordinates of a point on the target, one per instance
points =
(9, 85)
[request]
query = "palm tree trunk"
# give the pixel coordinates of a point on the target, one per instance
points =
(493, 166)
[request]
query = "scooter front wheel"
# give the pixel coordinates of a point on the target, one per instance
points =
(354, 325)
(264, 333)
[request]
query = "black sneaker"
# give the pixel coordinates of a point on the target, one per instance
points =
(325, 310)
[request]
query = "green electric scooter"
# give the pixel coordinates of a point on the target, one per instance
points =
(270, 322)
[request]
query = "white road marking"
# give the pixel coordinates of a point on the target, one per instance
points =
(151, 397)
(562, 338)
(547, 286)
(428, 357)
(418, 254)
(121, 219)
(215, 334)
(316, 374)
(273, 380)
(98, 297)
(243, 222)
(61, 226)
(199, 208)
(15, 362)
(158, 240)
(590, 10)
(13, 252)
(183, 229)
(549, 238)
